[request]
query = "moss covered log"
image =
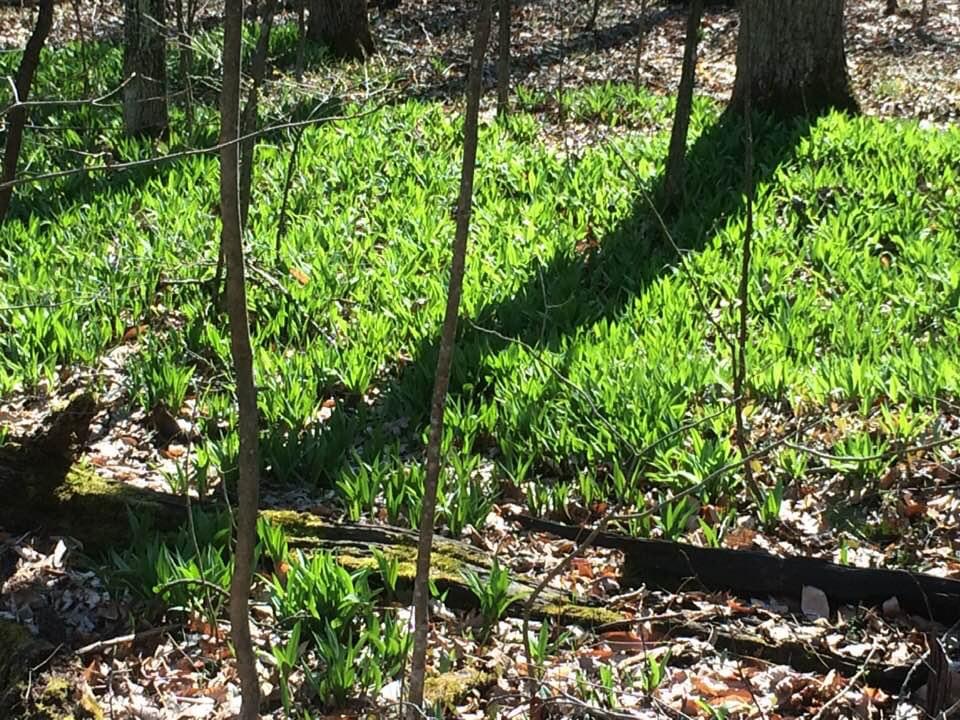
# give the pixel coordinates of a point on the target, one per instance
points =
(72, 500)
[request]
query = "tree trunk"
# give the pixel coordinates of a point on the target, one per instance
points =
(797, 58)
(503, 61)
(248, 123)
(144, 68)
(231, 242)
(673, 182)
(441, 383)
(17, 116)
(756, 573)
(342, 25)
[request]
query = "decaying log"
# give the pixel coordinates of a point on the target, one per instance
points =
(60, 498)
(751, 573)
(57, 497)
(353, 546)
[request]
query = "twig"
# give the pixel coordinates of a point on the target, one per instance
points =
(210, 149)
(749, 685)
(194, 581)
(715, 474)
(877, 456)
(287, 183)
(859, 674)
(134, 637)
(60, 103)
(695, 286)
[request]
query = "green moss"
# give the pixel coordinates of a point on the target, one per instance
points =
(60, 700)
(579, 614)
(294, 524)
(447, 560)
(82, 482)
(20, 650)
(448, 689)
(443, 567)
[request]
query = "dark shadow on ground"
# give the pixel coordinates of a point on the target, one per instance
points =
(576, 289)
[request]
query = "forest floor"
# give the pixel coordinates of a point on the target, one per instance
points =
(868, 484)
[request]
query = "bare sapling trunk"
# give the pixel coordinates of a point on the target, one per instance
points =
(594, 11)
(448, 334)
(248, 490)
(17, 114)
(184, 15)
(247, 127)
(301, 37)
(796, 58)
(145, 68)
(676, 157)
(503, 60)
(341, 25)
(258, 68)
(740, 353)
(640, 37)
(82, 41)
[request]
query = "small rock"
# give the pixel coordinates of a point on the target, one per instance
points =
(814, 603)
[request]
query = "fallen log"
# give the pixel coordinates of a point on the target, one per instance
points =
(753, 573)
(353, 546)
(48, 491)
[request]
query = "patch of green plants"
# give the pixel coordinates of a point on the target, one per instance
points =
(157, 377)
(769, 504)
(493, 593)
(582, 339)
(335, 631)
(171, 570)
(675, 516)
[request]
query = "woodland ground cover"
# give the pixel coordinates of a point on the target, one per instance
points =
(592, 366)
(580, 347)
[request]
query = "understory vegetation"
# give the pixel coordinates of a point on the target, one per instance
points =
(594, 363)
(579, 358)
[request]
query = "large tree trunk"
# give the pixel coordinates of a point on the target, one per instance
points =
(342, 25)
(144, 68)
(796, 55)
(17, 117)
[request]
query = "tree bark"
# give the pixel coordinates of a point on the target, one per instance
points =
(740, 352)
(17, 116)
(144, 68)
(797, 57)
(503, 61)
(248, 490)
(301, 37)
(754, 573)
(342, 25)
(445, 360)
(673, 182)
(248, 124)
